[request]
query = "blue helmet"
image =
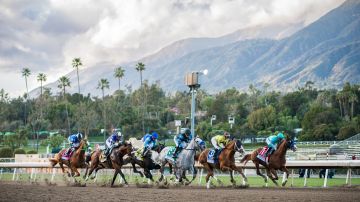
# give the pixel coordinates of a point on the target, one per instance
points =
(79, 136)
(154, 135)
(280, 136)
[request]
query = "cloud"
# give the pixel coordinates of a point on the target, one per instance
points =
(46, 35)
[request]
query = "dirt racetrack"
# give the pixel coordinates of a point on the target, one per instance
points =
(26, 192)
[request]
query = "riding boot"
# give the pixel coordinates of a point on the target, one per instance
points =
(268, 153)
(177, 150)
(144, 152)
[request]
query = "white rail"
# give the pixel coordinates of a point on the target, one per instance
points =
(325, 164)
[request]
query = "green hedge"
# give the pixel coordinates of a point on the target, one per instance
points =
(6, 152)
(32, 152)
(19, 151)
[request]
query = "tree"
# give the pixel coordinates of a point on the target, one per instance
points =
(76, 62)
(42, 78)
(140, 67)
(54, 141)
(26, 73)
(119, 74)
(103, 83)
(63, 83)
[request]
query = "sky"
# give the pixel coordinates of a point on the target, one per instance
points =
(45, 35)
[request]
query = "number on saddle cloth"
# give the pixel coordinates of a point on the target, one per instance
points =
(262, 153)
(170, 152)
(212, 156)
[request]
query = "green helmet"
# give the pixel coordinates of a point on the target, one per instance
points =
(280, 136)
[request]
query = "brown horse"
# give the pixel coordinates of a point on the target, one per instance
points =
(277, 161)
(115, 161)
(226, 161)
(77, 160)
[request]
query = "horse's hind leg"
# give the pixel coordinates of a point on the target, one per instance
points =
(210, 173)
(259, 173)
(162, 171)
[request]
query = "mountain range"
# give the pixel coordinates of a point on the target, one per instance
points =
(326, 52)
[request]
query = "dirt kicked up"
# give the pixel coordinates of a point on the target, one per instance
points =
(27, 192)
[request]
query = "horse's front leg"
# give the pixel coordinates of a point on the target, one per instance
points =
(162, 170)
(240, 171)
(135, 170)
(272, 173)
(123, 177)
(284, 169)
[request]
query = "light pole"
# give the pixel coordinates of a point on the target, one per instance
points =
(213, 118)
(191, 80)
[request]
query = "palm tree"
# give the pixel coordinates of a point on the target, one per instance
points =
(76, 62)
(140, 67)
(352, 99)
(103, 83)
(26, 73)
(63, 83)
(119, 74)
(42, 78)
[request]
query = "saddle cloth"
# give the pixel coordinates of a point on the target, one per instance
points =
(212, 156)
(170, 153)
(65, 155)
(262, 153)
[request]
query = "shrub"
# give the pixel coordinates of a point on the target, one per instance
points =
(6, 152)
(32, 152)
(19, 151)
(346, 132)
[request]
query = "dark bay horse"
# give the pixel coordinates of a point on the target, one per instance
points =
(148, 163)
(116, 161)
(77, 159)
(277, 161)
(226, 161)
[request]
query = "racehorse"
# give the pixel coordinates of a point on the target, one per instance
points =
(77, 160)
(116, 161)
(226, 161)
(277, 161)
(148, 163)
(185, 160)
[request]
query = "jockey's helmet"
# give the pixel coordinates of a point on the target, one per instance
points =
(154, 135)
(187, 132)
(226, 135)
(79, 136)
(280, 136)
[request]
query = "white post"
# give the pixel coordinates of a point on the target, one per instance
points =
(243, 181)
(305, 177)
(201, 174)
(292, 177)
(18, 174)
(267, 180)
(347, 176)
(32, 173)
(53, 175)
(284, 177)
(14, 174)
(326, 176)
(1, 173)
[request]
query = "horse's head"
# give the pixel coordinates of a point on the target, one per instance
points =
(159, 147)
(291, 144)
(239, 147)
(126, 148)
(200, 143)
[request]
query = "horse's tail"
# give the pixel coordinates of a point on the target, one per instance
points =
(53, 161)
(246, 158)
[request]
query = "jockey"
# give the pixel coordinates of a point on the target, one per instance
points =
(219, 142)
(272, 142)
(181, 141)
(150, 142)
(74, 141)
(113, 140)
